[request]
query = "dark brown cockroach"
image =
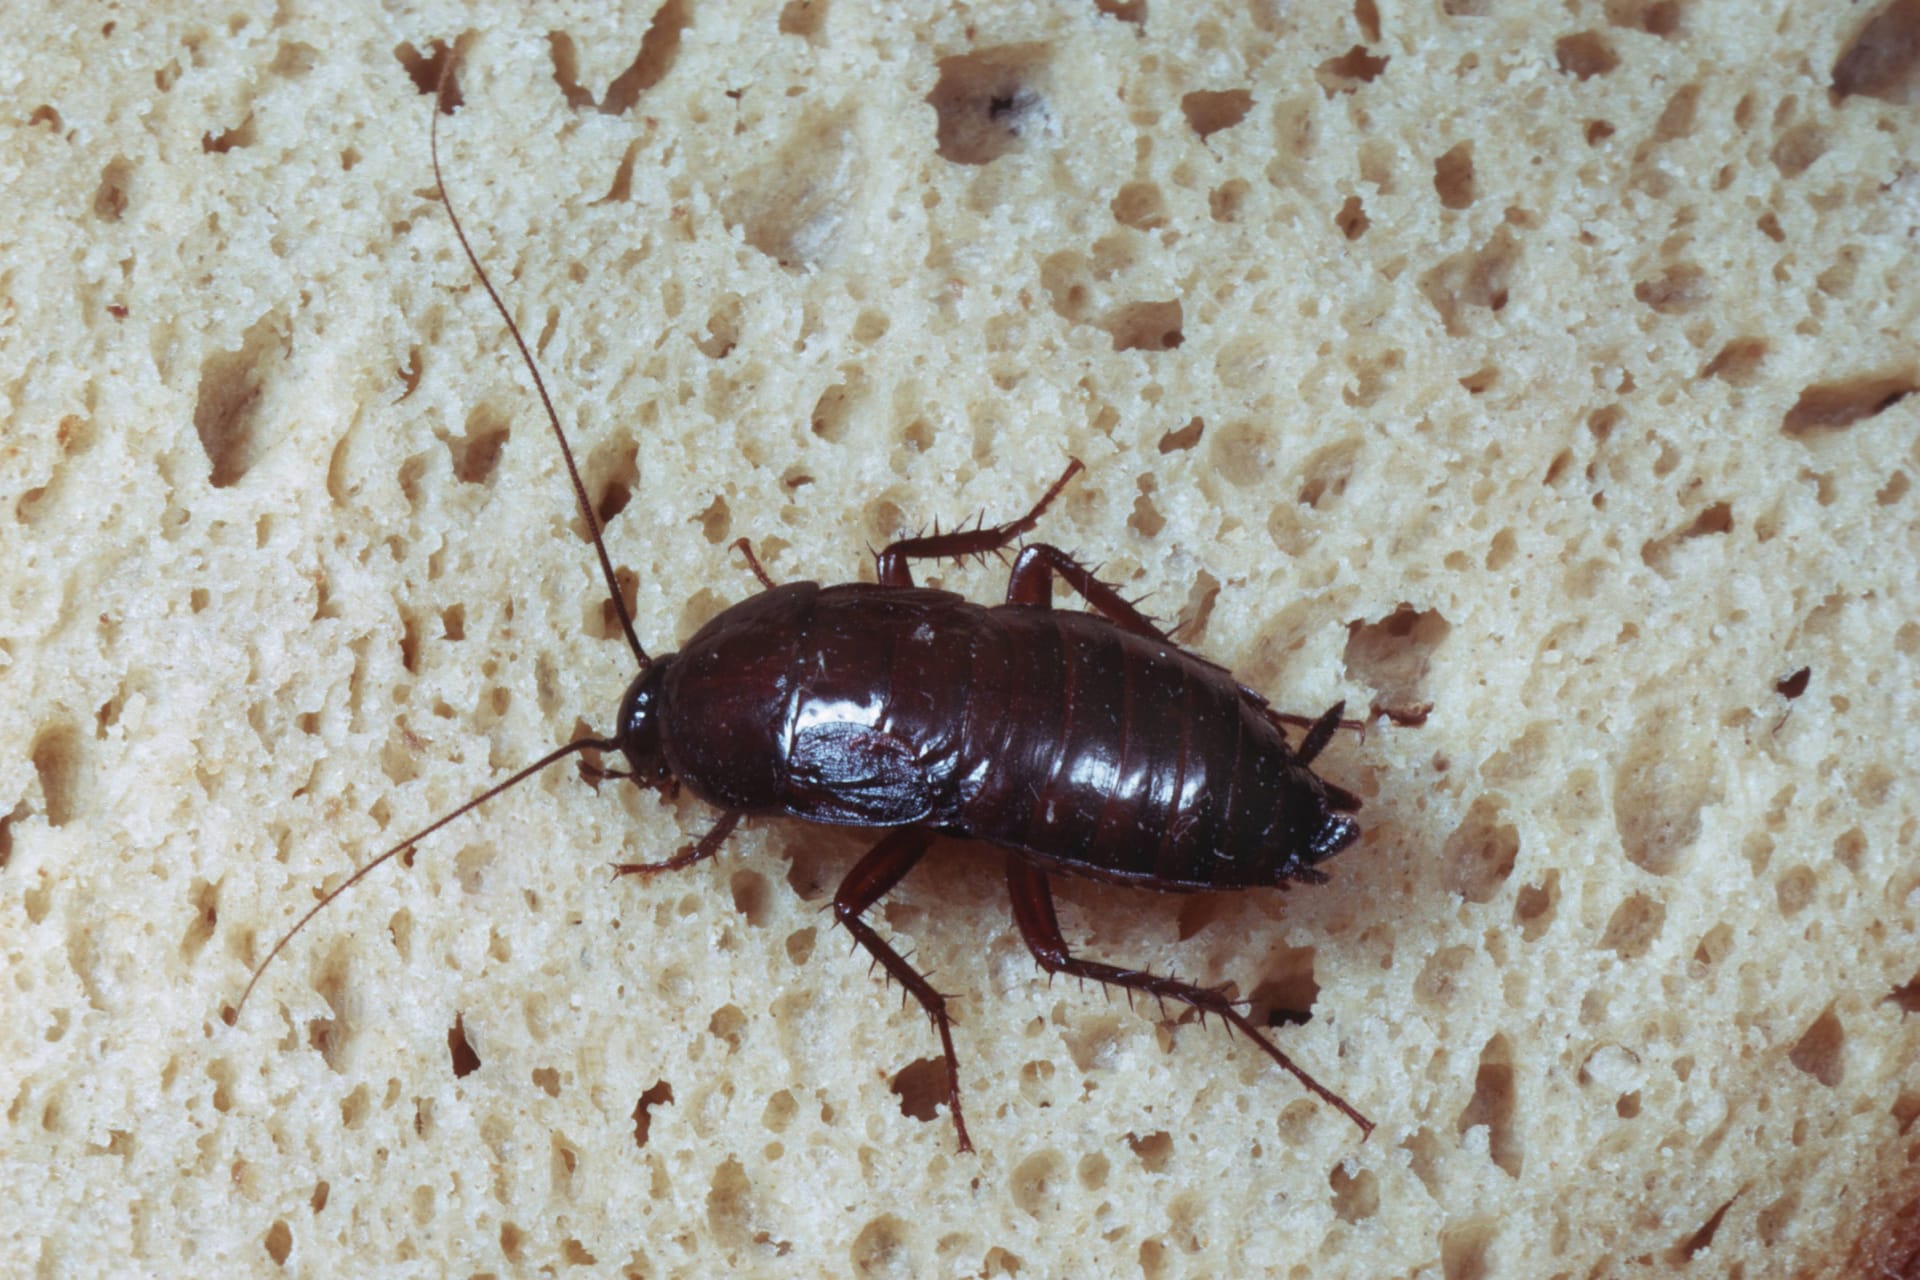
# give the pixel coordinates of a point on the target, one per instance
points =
(1083, 743)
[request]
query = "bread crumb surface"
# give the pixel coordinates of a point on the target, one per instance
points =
(1550, 366)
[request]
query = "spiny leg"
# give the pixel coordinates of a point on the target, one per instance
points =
(708, 845)
(753, 562)
(1320, 734)
(1033, 913)
(1311, 723)
(866, 884)
(1031, 583)
(891, 564)
(597, 774)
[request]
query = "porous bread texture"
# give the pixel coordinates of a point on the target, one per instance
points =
(1546, 364)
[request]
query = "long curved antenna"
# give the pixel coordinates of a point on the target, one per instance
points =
(539, 383)
(584, 744)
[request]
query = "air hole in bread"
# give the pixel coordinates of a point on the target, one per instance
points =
(111, 198)
(800, 945)
(659, 1094)
(1208, 111)
(806, 18)
(1472, 279)
(1534, 905)
(1242, 452)
(476, 451)
(58, 764)
(1184, 438)
(1738, 362)
(883, 1250)
(750, 896)
(1679, 289)
(599, 619)
(1493, 1103)
(1464, 1249)
(471, 865)
(1585, 54)
(1394, 653)
(228, 415)
(610, 474)
(777, 1114)
(990, 102)
(1140, 205)
(1035, 1183)
(1226, 201)
(1097, 1041)
(1373, 377)
(1349, 71)
(835, 409)
(240, 135)
(1453, 177)
(465, 1060)
(1821, 1049)
(922, 1087)
(1356, 1195)
(1634, 926)
(1883, 58)
(659, 48)
(801, 204)
(1287, 990)
(1146, 519)
(565, 58)
(1480, 854)
(723, 327)
(1832, 406)
(205, 900)
(1443, 978)
(424, 71)
(716, 522)
(1145, 326)
(1352, 218)
(1660, 788)
(728, 1025)
(333, 1037)
(1680, 116)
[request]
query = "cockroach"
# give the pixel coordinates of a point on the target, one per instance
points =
(1085, 743)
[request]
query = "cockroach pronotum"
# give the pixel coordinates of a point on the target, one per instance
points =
(1085, 743)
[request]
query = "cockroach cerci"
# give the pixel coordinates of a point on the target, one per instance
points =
(1089, 744)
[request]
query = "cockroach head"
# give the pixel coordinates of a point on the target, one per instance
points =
(638, 728)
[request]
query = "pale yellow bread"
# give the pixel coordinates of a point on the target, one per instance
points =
(1548, 364)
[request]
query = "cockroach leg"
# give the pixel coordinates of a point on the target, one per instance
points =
(1031, 583)
(708, 846)
(597, 774)
(1340, 800)
(745, 547)
(1292, 720)
(891, 564)
(1319, 734)
(868, 882)
(1033, 912)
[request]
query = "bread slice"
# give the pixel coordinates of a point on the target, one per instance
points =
(1551, 366)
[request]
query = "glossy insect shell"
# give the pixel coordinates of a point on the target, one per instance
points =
(1088, 748)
